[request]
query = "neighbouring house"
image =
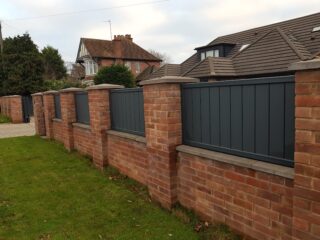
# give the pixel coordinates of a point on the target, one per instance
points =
(258, 52)
(96, 53)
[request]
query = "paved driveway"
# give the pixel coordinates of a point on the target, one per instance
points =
(16, 130)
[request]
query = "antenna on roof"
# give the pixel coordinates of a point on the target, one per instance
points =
(109, 21)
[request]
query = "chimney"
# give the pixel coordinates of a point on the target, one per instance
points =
(117, 46)
(128, 36)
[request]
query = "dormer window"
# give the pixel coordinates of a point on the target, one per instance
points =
(210, 53)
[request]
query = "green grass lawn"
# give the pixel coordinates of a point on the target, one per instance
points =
(4, 119)
(48, 193)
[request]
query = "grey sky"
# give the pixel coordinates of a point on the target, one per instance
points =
(175, 27)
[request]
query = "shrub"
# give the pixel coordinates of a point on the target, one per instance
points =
(115, 74)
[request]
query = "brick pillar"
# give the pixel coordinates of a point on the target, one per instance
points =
(16, 112)
(162, 111)
(100, 122)
(306, 200)
(48, 105)
(38, 112)
(68, 115)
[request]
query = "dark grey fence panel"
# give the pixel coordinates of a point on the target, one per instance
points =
(82, 107)
(57, 106)
(250, 118)
(127, 114)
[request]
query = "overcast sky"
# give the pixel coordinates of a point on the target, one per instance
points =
(174, 27)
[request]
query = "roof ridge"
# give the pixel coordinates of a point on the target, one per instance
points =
(265, 26)
(193, 67)
(250, 45)
(291, 44)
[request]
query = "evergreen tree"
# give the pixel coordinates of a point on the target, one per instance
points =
(53, 64)
(22, 66)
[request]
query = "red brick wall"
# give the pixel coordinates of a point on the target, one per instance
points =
(129, 156)
(57, 130)
(306, 201)
(39, 118)
(11, 106)
(256, 204)
(82, 140)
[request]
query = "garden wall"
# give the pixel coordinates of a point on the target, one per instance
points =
(259, 199)
(11, 106)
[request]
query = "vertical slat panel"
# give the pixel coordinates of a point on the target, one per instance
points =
(236, 117)
(225, 117)
(276, 120)
(289, 121)
(196, 116)
(188, 109)
(205, 118)
(215, 116)
(262, 119)
(248, 107)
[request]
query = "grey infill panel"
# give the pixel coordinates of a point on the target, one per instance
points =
(57, 106)
(127, 111)
(250, 118)
(82, 108)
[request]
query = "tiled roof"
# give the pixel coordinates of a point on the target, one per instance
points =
(271, 49)
(106, 49)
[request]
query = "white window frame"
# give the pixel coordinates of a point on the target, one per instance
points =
(91, 67)
(128, 64)
(138, 67)
(203, 56)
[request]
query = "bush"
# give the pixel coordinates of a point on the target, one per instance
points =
(115, 74)
(61, 84)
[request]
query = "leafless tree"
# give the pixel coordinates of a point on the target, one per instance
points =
(163, 56)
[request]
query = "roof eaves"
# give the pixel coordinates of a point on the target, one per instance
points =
(285, 37)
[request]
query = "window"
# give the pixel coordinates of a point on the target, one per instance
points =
(128, 64)
(203, 55)
(91, 67)
(210, 53)
(216, 53)
(316, 29)
(138, 67)
(244, 46)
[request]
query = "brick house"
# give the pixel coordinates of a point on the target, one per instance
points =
(95, 53)
(258, 52)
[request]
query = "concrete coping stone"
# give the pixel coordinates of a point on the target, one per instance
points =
(81, 125)
(169, 79)
(127, 135)
(305, 65)
(260, 166)
(12, 96)
(37, 94)
(72, 89)
(104, 86)
(50, 92)
(57, 120)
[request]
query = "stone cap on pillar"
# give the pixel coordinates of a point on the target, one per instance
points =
(71, 89)
(104, 87)
(12, 96)
(50, 92)
(37, 94)
(305, 65)
(169, 79)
